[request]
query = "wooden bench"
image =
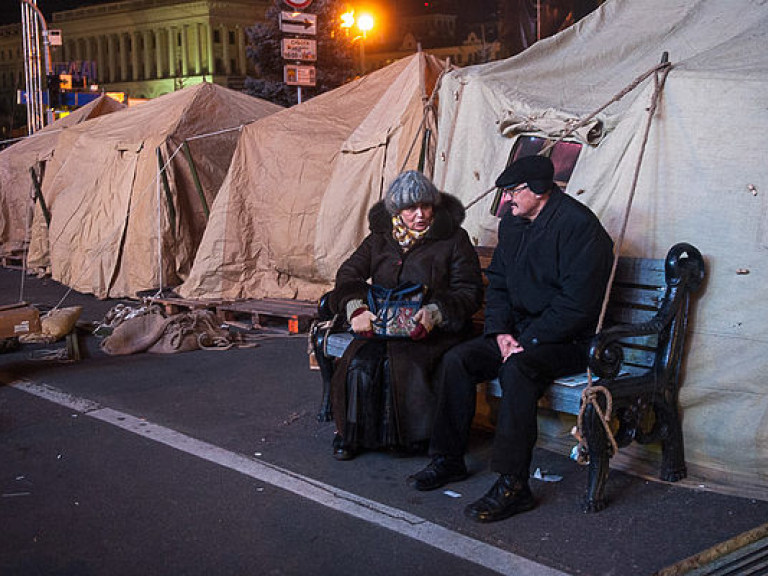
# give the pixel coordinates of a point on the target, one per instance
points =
(637, 358)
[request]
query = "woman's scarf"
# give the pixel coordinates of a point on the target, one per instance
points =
(406, 237)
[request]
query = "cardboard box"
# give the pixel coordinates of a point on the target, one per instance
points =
(18, 319)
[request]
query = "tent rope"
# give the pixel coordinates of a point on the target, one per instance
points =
(591, 393)
(663, 66)
(429, 108)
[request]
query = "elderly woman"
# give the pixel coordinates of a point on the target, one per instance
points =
(381, 389)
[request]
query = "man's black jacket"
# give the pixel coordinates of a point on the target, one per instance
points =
(548, 276)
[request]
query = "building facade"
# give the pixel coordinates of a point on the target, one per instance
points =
(147, 48)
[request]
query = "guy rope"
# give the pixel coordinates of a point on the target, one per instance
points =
(591, 393)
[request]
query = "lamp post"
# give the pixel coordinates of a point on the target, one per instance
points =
(364, 24)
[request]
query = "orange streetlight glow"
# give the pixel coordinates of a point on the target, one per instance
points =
(348, 19)
(365, 23)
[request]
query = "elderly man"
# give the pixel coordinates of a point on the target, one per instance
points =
(546, 284)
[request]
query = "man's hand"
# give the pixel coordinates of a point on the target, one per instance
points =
(362, 322)
(507, 345)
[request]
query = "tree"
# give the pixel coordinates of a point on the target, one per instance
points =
(335, 63)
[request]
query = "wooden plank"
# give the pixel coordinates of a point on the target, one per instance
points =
(635, 270)
(626, 295)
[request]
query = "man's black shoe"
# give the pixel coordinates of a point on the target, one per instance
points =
(439, 472)
(507, 497)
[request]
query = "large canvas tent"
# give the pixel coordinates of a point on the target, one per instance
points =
(39, 153)
(296, 198)
(118, 226)
(703, 179)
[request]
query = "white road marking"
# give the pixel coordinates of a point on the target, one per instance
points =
(399, 521)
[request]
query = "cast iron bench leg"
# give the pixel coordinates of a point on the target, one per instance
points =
(599, 456)
(326, 372)
(672, 448)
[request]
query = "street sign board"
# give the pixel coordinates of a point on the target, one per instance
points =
(299, 49)
(299, 75)
(298, 4)
(298, 23)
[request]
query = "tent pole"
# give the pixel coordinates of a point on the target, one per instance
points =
(39, 193)
(160, 174)
(163, 175)
(196, 178)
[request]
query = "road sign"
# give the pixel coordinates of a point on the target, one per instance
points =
(299, 75)
(299, 49)
(298, 4)
(298, 23)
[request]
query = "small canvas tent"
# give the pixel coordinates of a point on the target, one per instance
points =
(703, 180)
(16, 185)
(116, 227)
(296, 198)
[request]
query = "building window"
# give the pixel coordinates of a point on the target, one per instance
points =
(231, 37)
(217, 37)
(563, 154)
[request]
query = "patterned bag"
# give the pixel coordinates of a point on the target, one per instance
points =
(394, 309)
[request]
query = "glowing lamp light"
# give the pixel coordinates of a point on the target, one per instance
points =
(348, 19)
(365, 22)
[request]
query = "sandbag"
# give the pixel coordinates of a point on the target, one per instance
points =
(54, 325)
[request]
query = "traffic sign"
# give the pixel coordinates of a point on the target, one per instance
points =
(299, 75)
(299, 49)
(298, 4)
(298, 23)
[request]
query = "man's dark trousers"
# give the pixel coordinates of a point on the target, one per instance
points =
(524, 378)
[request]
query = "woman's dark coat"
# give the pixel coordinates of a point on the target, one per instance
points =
(446, 262)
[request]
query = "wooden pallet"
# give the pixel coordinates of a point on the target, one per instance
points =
(177, 305)
(296, 315)
(13, 260)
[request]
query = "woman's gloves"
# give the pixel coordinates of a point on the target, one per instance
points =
(360, 318)
(427, 318)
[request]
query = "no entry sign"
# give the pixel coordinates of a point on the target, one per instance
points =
(298, 4)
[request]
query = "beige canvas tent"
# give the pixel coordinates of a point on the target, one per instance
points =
(296, 198)
(118, 228)
(703, 180)
(16, 185)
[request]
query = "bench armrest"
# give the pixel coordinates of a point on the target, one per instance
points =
(684, 274)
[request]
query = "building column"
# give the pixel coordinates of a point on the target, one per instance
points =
(159, 72)
(112, 56)
(147, 35)
(209, 46)
(134, 55)
(241, 60)
(172, 65)
(101, 59)
(121, 39)
(197, 48)
(225, 47)
(184, 52)
(78, 55)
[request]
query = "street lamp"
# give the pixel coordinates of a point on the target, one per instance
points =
(364, 23)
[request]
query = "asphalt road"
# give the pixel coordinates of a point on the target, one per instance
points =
(212, 462)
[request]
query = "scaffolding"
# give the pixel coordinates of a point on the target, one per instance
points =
(35, 45)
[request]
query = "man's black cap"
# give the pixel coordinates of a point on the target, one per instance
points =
(536, 171)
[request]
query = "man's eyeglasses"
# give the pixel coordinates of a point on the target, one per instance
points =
(514, 190)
